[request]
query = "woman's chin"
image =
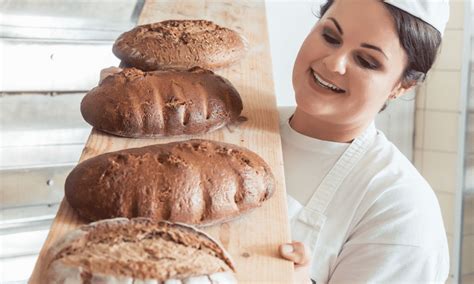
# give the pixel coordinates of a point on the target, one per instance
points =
(315, 109)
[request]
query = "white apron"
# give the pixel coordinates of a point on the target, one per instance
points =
(310, 220)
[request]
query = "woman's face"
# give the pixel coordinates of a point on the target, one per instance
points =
(349, 64)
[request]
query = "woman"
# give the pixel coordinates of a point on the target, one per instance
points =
(360, 212)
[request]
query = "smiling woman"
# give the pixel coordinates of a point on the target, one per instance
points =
(360, 212)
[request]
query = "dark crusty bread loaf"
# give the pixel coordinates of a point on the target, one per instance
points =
(133, 103)
(199, 182)
(138, 251)
(179, 44)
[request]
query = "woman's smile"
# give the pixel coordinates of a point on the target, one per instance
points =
(326, 84)
(321, 85)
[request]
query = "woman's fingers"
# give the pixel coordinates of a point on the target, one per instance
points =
(296, 252)
(300, 256)
(107, 72)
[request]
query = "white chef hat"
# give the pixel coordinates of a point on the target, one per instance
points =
(433, 12)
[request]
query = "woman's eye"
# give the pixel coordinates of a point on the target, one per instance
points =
(330, 39)
(366, 64)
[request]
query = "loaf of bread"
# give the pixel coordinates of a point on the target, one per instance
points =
(179, 44)
(137, 104)
(137, 251)
(198, 182)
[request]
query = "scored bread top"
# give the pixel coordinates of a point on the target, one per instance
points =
(139, 249)
(179, 44)
(137, 104)
(200, 182)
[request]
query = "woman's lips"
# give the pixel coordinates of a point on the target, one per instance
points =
(326, 84)
(320, 87)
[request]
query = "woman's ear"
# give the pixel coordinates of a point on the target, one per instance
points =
(401, 89)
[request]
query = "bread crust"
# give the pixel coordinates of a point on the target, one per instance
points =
(140, 104)
(199, 182)
(179, 44)
(79, 257)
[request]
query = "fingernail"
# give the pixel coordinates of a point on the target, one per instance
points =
(287, 249)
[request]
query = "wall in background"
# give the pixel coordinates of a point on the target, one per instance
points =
(467, 243)
(438, 114)
(288, 24)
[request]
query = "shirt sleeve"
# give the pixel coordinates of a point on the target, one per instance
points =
(400, 239)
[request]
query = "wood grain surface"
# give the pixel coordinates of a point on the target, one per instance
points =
(252, 240)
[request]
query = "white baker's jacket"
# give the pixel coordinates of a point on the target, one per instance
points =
(372, 217)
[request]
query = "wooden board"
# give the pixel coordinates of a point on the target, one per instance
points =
(252, 240)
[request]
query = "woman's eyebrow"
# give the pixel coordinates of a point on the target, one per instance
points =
(336, 24)
(366, 45)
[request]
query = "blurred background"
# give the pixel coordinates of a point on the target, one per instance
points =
(51, 52)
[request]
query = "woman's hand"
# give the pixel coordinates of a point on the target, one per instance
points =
(107, 72)
(299, 254)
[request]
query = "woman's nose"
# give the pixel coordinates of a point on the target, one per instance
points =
(336, 62)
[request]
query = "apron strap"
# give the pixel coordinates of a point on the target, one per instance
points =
(323, 195)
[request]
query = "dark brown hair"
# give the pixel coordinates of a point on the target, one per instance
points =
(419, 40)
